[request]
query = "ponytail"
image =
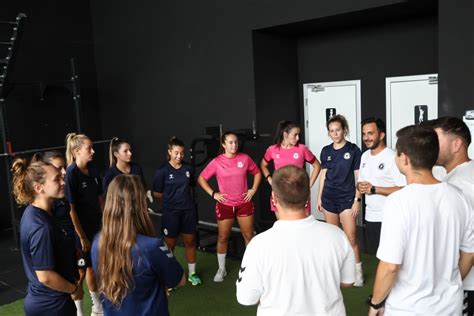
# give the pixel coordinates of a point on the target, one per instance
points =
(174, 141)
(114, 147)
(24, 177)
(73, 142)
(283, 127)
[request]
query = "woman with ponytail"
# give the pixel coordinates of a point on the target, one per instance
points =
(172, 184)
(288, 151)
(234, 198)
(133, 267)
(46, 250)
(84, 193)
(120, 156)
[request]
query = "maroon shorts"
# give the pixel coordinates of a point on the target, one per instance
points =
(229, 212)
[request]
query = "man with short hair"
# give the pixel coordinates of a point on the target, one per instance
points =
(298, 266)
(426, 237)
(378, 177)
(454, 139)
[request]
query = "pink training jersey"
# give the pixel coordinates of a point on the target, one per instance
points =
(231, 174)
(296, 155)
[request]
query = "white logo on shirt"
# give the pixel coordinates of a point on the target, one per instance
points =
(329, 158)
(84, 185)
(188, 174)
(296, 156)
(347, 156)
(171, 176)
(96, 181)
(277, 156)
(165, 231)
(240, 164)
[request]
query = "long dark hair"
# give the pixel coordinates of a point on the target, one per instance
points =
(114, 147)
(283, 127)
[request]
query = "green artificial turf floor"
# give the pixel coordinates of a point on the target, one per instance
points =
(219, 298)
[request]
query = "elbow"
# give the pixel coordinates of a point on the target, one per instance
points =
(346, 285)
(43, 277)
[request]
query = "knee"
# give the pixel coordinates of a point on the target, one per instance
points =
(223, 239)
(247, 236)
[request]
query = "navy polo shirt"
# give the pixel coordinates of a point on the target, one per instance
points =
(154, 268)
(175, 185)
(340, 164)
(113, 171)
(83, 191)
(45, 245)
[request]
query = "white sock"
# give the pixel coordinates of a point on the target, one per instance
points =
(78, 304)
(221, 260)
(95, 299)
(191, 268)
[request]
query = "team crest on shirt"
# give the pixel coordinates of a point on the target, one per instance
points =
(296, 156)
(329, 158)
(381, 166)
(277, 156)
(165, 231)
(347, 156)
(171, 177)
(188, 174)
(84, 185)
(240, 164)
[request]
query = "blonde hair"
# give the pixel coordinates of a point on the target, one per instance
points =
(73, 142)
(24, 176)
(125, 215)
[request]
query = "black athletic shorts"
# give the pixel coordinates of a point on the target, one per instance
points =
(175, 222)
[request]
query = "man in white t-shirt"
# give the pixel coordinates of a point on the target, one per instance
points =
(378, 177)
(298, 266)
(454, 139)
(426, 237)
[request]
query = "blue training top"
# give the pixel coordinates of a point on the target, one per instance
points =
(45, 245)
(340, 165)
(154, 268)
(175, 185)
(83, 191)
(61, 209)
(113, 171)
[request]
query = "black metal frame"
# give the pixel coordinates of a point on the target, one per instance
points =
(6, 86)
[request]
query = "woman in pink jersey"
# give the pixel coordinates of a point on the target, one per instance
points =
(234, 197)
(288, 151)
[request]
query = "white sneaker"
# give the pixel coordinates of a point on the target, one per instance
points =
(220, 275)
(97, 311)
(359, 278)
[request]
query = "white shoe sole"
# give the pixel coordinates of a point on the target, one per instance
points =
(217, 279)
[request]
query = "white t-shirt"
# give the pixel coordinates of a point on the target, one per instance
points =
(462, 177)
(423, 229)
(296, 268)
(381, 171)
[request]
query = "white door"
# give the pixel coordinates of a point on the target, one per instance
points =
(323, 100)
(410, 100)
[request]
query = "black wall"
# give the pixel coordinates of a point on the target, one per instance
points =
(40, 115)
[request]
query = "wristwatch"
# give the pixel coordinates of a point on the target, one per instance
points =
(372, 190)
(375, 306)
